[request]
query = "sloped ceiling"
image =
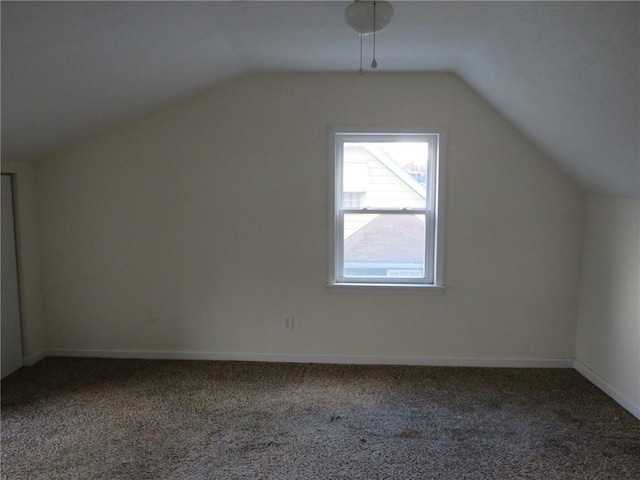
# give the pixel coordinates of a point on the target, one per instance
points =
(565, 73)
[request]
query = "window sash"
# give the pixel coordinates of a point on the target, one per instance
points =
(429, 248)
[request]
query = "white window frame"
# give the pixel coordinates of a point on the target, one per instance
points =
(433, 281)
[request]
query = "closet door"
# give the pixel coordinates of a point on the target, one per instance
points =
(11, 332)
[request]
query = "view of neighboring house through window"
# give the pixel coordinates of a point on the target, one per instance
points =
(385, 198)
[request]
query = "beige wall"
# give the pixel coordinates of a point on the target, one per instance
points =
(26, 218)
(199, 227)
(608, 339)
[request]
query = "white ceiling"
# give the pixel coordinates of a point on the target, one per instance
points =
(565, 73)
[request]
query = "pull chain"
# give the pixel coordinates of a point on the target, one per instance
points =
(374, 64)
(360, 71)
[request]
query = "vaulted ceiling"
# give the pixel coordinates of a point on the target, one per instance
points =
(564, 73)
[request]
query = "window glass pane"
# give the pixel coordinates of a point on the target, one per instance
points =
(387, 174)
(384, 246)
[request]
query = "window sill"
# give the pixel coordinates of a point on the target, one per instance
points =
(402, 288)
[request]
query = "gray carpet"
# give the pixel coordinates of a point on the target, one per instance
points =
(136, 419)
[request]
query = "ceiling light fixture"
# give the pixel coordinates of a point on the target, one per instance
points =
(368, 17)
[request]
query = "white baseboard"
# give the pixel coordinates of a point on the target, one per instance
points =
(606, 388)
(349, 359)
(319, 358)
(31, 360)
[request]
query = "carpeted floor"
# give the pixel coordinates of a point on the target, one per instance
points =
(136, 419)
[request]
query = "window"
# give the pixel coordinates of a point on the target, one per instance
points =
(386, 202)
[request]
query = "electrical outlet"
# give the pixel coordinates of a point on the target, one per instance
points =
(287, 322)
